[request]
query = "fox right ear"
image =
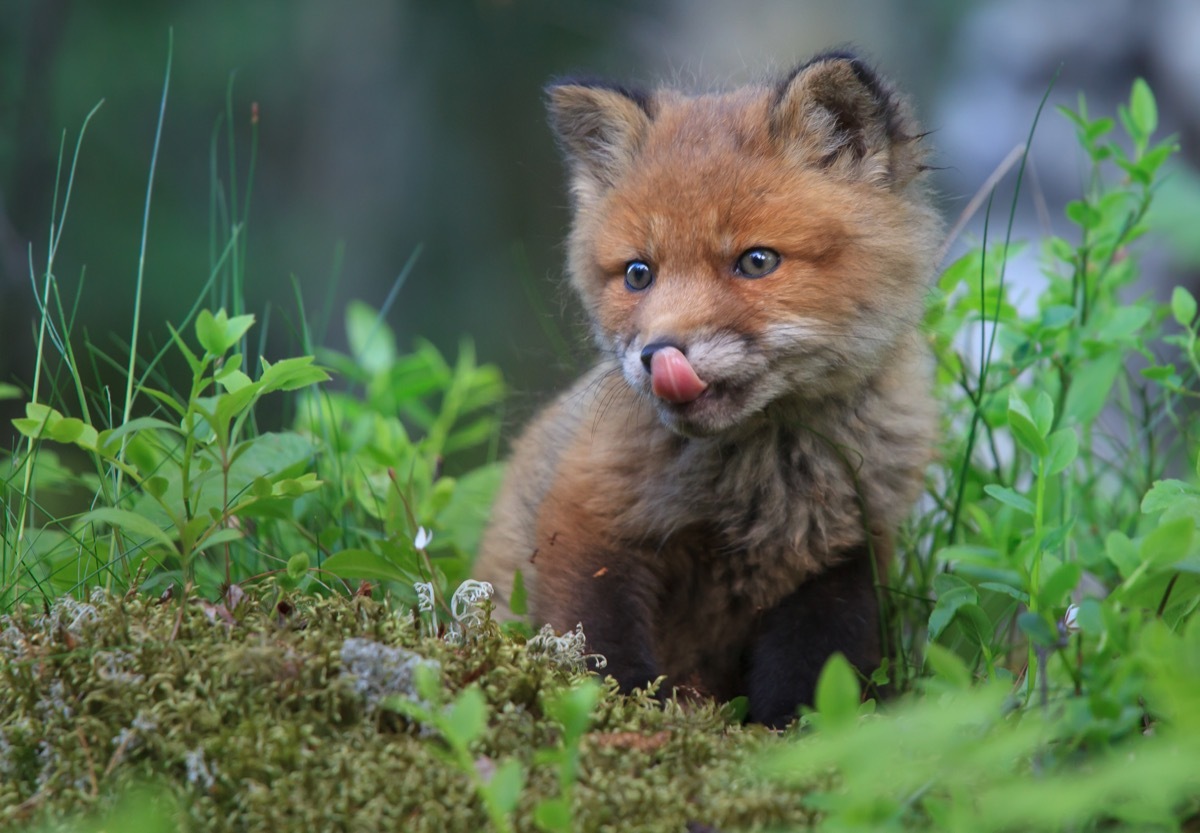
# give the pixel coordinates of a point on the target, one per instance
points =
(836, 113)
(600, 126)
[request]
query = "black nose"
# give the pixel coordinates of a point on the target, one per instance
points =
(653, 347)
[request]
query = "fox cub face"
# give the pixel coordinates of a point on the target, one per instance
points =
(750, 251)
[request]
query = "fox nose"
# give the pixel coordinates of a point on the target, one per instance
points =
(653, 347)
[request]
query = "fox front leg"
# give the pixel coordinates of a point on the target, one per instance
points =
(612, 598)
(835, 611)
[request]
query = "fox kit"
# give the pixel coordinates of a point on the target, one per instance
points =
(714, 499)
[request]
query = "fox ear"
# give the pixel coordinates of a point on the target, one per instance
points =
(600, 127)
(838, 114)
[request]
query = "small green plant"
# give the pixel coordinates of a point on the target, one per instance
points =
(572, 709)
(194, 484)
(393, 513)
(1049, 597)
(460, 724)
(1072, 436)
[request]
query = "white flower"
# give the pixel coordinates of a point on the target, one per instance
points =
(1070, 619)
(424, 536)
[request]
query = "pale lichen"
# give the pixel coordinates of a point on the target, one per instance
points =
(380, 671)
(567, 650)
(199, 773)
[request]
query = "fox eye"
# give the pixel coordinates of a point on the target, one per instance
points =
(756, 262)
(638, 275)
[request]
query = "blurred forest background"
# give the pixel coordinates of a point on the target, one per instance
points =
(384, 126)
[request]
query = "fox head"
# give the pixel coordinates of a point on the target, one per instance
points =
(742, 250)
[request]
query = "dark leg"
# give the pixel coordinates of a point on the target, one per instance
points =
(834, 611)
(614, 605)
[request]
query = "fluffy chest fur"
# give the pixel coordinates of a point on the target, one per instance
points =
(762, 510)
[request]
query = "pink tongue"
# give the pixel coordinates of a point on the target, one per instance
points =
(673, 378)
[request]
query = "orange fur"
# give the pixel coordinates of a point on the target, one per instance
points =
(692, 538)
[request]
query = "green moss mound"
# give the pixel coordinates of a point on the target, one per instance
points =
(251, 720)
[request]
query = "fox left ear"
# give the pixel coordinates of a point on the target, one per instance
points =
(837, 113)
(600, 127)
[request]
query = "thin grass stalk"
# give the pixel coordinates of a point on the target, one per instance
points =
(141, 276)
(44, 323)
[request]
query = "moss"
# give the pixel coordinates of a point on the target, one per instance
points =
(251, 722)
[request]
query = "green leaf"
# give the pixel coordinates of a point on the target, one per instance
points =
(953, 592)
(67, 430)
(1024, 427)
(1168, 543)
(211, 333)
(1064, 448)
(364, 564)
(28, 427)
(218, 333)
(737, 710)
(465, 718)
(947, 665)
(9, 391)
(1082, 214)
(142, 452)
(1058, 316)
(1143, 111)
(226, 408)
(1043, 412)
(553, 815)
(237, 327)
(221, 536)
(291, 374)
(1010, 498)
(233, 379)
(1089, 389)
(1123, 324)
(1122, 553)
(1006, 589)
(371, 340)
(1059, 583)
(1037, 629)
(130, 522)
(297, 486)
(39, 420)
(505, 785)
(1089, 617)
(837, 694)
(573, 708)
(976, 623)
(1163, 374)
(297, 566)
(1165, 494)
(969, 553)
(1054, 537)
(1183, 306)
(517, 600)
(467, 512)
(108, 439)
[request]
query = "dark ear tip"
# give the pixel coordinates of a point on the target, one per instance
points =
(841, 54)
(866, 75)
(635, 94)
